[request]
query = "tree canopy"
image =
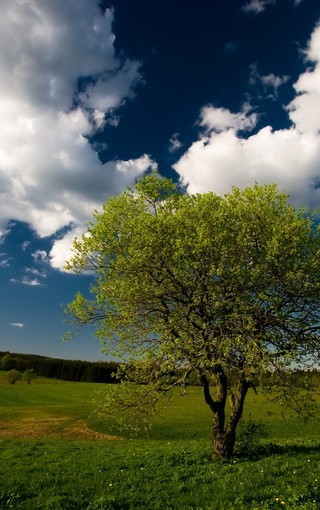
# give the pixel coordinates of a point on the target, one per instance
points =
(226, 286)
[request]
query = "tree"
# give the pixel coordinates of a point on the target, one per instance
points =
(228, 287)
(13, 376)
(6, 362)
(29, 375)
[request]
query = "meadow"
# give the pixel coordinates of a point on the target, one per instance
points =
(56, 454)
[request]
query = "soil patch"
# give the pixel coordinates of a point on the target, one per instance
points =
(57, 428)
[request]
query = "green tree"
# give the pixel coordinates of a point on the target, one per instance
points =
(6, 362)
(13, 376)
(228, 287)
(29, 375)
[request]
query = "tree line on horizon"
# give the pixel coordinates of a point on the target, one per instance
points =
(56, 368)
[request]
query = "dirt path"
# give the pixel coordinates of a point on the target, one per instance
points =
(57, 428)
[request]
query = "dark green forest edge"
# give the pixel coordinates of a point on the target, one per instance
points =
(55, 368)
(105, 372)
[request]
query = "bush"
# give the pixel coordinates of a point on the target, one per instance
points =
(249, 436)
(13, 376)
(29, 375)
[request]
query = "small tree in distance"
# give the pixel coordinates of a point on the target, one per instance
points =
(13, 376)
(227, 287)
(29, 375)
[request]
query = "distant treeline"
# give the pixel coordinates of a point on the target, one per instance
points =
(68, 370)
(102, 371)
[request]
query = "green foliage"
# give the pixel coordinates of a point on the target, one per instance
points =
(250, 434)
(14, 376)
(227, 287)
(29, 375)
(6, 361)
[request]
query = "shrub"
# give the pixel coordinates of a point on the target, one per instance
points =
(13, 376)
(29, 375)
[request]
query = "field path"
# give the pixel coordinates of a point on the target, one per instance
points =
(58, 428)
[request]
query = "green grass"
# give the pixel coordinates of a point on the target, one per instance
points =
(45, 396)
(171, 470)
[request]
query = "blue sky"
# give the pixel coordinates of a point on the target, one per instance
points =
(94, 94)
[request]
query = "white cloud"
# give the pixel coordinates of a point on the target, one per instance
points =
(40, 256)
(270, 82)
(221, 158)
(25, 245)
(3, 234)
(17, 324)
(25, 280)
(60, 82)
(220, 119)
(33, 282)
(174, 143)
(36, 272)
(257, 6)
(4, 262)
(62, 248)
(304, 110)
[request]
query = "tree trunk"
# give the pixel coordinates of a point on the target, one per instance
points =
(223, 445)
(224, 438)
(224, 434)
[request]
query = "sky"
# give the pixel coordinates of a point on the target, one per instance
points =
(94, 94)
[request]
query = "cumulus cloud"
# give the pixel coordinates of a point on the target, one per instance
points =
(221, 158)
(220, 119)
(60, 82)
(62, 248)
(304, 110)
(17, 324)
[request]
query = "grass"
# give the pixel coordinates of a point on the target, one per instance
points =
(171, 470)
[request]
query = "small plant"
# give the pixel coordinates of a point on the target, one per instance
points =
(250, 433)
(13, 376)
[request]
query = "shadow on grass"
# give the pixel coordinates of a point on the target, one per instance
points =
(258, 452)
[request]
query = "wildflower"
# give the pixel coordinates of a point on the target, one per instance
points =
(282, 503)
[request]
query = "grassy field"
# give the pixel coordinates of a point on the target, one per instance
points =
(56, 454)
